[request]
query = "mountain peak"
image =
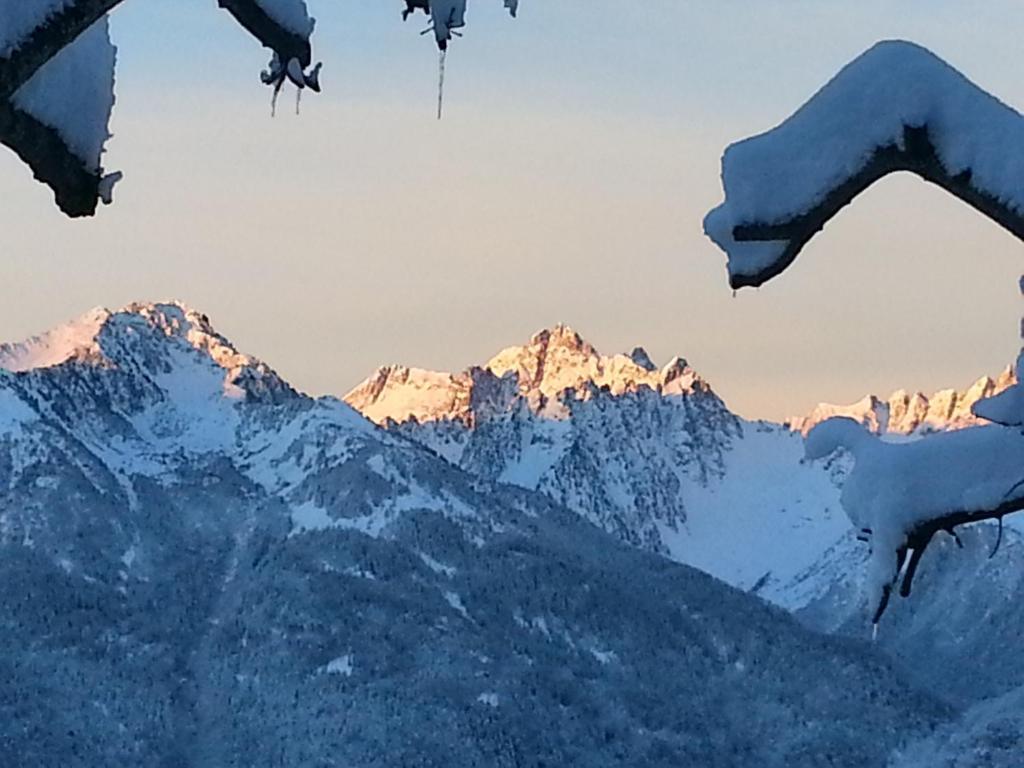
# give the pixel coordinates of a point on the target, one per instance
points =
(143, 335)
(559, 359)
(79, 339)
(640, 357)
(555, 361)
(561, 335)
(76, 338)
(401, 394)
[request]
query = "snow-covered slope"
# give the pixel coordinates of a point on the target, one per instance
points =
(953, 633)
(673, 471)
(989, 735)
(202, 566)
(75, 338)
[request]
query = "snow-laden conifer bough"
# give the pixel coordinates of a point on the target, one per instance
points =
(897, 107)
(57, 79)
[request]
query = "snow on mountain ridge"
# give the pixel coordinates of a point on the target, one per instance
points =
(102, 337)
(556, 362)
(558, 359)
(152, 392)
(397, 393)
(912, 414)
(650, 454)
(77, 337)
(144, 426)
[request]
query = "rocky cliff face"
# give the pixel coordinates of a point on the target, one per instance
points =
(615, 438)
(539, 373)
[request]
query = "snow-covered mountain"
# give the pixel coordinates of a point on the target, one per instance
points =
(656, 458)
(539, 372)
(202, 566)
(649, 453)
(903, 413)
(952, 633)
(652, 454)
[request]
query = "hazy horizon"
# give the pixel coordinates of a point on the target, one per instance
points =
(567, 183)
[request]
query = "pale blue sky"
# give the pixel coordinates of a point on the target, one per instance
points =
(567, 183)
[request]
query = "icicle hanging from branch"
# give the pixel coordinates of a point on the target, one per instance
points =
(446, 18)
(442, 57)
(278, 73)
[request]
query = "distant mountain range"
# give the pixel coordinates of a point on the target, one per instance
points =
(654, 456)
(903, 413)
(203, 566)
(650, 454)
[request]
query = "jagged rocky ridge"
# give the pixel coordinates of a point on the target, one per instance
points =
(748, 510)
(903, 413)
(650, 454)
(202, 566)
(557, 416)
(626, 444)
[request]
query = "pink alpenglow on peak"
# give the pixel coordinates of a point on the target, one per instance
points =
(136, 336)
(556, 362)
(916, 414)
(77, 338)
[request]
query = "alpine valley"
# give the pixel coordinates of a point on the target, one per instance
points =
(559, 558)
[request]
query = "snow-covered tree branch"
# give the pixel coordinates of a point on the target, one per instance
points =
(58, 26)
(44, 151)
(57, 79)
(32, 32)
(56, 119)
(897, 107)
(899, 496)
(283, 27)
